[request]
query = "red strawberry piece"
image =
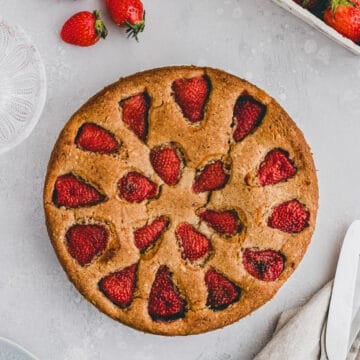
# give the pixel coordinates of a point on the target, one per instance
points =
(265, 265)
(212, 177)
(276, 167)
(92, 137)
(135, 114)
(290, 216)
(165, 302)
(344, 17)
(129, 13)
(119, 287)
(84, 29)
(135, 187)
(85, 242)
(72, 191)
(307, 4)
(192, 95)
(221, 291)
(167, 163)
(194, 245)
(148, 234)
(248, 114)
(224, 222)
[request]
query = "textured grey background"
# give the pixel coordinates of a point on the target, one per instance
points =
(313, 78)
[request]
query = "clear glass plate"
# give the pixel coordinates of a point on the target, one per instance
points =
(22, 86)
(11, 351)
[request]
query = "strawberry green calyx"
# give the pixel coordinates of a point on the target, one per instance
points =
(335, 3)
(134, 29)
(100, 27)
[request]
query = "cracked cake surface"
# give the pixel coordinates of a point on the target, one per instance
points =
(179, 200)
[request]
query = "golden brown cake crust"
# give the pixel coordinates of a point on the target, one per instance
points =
(179, 203)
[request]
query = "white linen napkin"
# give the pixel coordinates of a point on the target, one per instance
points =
(299, 332)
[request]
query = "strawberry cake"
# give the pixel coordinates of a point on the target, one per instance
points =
(179, 200)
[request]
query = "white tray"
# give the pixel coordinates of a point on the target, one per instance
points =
(318, 24)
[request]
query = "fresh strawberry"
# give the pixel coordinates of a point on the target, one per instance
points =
(165, 303)
(344, 17)
(147, 235)
(84, 29)
(276, 167)
(119, 287)
(248, 114)
(193, 244)
(224, 222)
(135, 114)
(213, 176)
(167, 163)
(128, 12)
(135, 187)
(92, 137)
(290, 216)
(192, 95)
(71, 191)
(307, 4)
(221, 291)
(85, 242)
(265, 265)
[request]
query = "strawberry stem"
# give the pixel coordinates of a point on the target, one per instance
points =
(335, 3)
(100, 27)
(134, 29)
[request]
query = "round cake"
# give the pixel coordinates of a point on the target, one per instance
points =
(179, 200)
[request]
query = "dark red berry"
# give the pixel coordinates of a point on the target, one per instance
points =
(213, 176)
(194, 245)
(94, 138)
(223, 222)
(192, 95)
(265, 265)
(72, 191)
(119, 287)
(165, 303)
(135, 114)
(221, 291)
(85, 242)
(148, 234)
(290, 216)
(248, 114)
(135, 187)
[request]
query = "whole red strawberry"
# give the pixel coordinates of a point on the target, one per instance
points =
(84, 29)
(129, 13)
(344, 17)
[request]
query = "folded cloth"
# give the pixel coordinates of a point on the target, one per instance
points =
(300, 332)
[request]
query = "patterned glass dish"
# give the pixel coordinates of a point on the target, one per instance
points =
(22, 86)
(12, 351)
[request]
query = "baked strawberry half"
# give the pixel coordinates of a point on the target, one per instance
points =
(290, 217)
(147, 235)
(94, 138)
(119, 287)
(167, 161)
(223, 222)
(221, 291)
(276, 167)
(214, 176)
(85, 242)
(192, 96)
(193, 244)
(265, 265)
(248, 115)
(135, 187)
(135, 113)
(165, 302)
(72, 191)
